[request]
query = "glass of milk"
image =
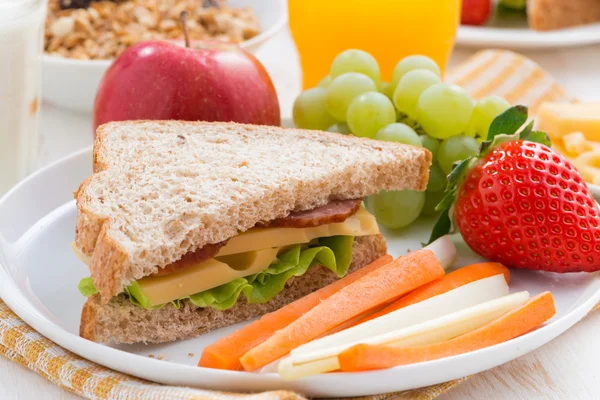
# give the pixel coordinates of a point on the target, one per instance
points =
(21, 48)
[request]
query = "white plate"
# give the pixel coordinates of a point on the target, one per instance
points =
(517, 35)
(39, 276)
(72, 84)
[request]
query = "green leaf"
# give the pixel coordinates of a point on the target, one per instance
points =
(447, 200)
(539, 137)
(442, 226)
(222, 297)
(457, 173)
(265, 289)
(335, 253)
(284, 262)
(508, 122)
(137, 297)
(86, 287)
(342, 249)
(488, 145)
(526, 131)
(519, 5)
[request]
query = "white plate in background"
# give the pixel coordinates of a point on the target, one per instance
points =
(515, 34)
(39, 276)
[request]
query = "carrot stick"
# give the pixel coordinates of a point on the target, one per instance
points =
(453, 280)
(514, 323)
(225, 353)
(380, 286)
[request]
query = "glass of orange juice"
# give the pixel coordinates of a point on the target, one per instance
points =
(388, 29)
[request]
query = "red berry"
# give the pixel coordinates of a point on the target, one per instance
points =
(475, 12)
(525, 206)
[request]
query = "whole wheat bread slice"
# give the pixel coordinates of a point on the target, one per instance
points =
(120, 321)
(165, 188)
(546, 15)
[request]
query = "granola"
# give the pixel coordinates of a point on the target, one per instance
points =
(106, 28)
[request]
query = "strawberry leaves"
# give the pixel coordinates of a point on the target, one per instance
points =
(506, 127)
(538, 137)
(442, 226)
(508, 122)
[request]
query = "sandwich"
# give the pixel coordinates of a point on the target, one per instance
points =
(188, 227)
(548, 15)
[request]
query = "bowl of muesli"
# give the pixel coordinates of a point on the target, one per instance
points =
(83, 37)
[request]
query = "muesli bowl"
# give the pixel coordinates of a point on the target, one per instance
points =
(72, 83)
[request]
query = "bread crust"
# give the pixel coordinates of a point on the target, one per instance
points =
(546, 15)
(106, 264)
(119, 256)
(120, 321)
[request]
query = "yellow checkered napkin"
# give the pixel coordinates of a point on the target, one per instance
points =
(510, 75)
(21, 343)
(488, 72)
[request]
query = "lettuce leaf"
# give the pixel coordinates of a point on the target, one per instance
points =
(86, 287)
(222, 297)
(335, 253)
(137, 297)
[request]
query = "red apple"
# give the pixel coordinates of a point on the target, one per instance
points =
(161, 80)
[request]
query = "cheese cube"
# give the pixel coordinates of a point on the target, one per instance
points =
(559, 119)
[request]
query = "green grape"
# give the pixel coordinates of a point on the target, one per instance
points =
(413, 83)
(368, 113)
(484, 113)
(430, 144)
(432, 199)
(401, 117)
(343, 89)
(400, 133)
(470, 128)
(396, 209)
(339, 128)
(384, 87)
(454, 149)
(325, 82)
(437, 178)
(310, 111)
(444, 110)
(355, 61)
(413, 62)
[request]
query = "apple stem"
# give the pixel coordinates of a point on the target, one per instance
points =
(183, 19)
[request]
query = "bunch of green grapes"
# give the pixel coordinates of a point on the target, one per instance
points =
(414, 108)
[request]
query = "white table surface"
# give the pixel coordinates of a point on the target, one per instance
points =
(566, 368)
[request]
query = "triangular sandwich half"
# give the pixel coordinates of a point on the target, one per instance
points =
(188, 227)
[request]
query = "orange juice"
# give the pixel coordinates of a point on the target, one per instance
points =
(388, 29)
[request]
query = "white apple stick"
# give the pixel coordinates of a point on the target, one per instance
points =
(321, 355)
(432, 331)
(444, 250)
(454, 300)
(271, 367)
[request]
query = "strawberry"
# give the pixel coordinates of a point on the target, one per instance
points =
(523, 205)
(475, 12)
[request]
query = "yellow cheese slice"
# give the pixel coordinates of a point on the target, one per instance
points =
(252, 252)
(559, 119)
(248, 253)
(205, 275)
(360, 224)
